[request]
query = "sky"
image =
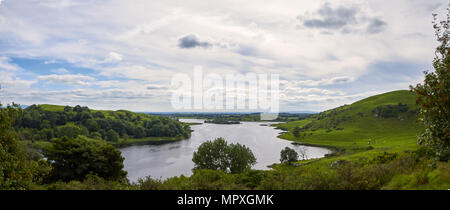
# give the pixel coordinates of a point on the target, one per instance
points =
(110, 54)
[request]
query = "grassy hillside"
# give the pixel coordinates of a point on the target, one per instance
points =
(107, 113)
(51, 107)
(383, 122)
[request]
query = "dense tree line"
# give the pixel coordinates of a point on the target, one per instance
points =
(66, 159)
(38, 124)
(388, 111)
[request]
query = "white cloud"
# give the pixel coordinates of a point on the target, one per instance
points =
(60, 4)
(5, 64)
(70, 79)
(139, 42)
(113, 57)
(50, 61)
(322, 82)
(60, 71)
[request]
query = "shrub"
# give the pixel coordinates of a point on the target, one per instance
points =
(433, 96)
(17, 170)
(218, 155)
(91, 182)
(74, 159)
(288, 155)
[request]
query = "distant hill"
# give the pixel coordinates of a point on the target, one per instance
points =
(51, 107)
(21, 106)
(381, 121)
(299, 112)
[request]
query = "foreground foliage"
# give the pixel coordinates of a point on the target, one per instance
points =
(17, 169)
(74, 159)
(400, 170)
(434, 94)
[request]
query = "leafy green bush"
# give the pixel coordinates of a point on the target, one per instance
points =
(433, 96)
(288, 155)
(425, 178)
(218, 155)
(90, 182)
(74, 159)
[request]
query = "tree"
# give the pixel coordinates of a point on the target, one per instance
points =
(45, 124)
(98, 114)
(433, 96)
(240, 158)
(296, 132)
(96, 135)
(17, 170)
(32, 117)
(92, 125)
(212, 155)
(303, 153)
(288, 155)
(67, 109)
(71, 131)
(77, 108)
(74, 159)
(139, 132)
(218, 155)
(112, 136)
(61, 119)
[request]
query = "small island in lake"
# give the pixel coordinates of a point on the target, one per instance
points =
(221, 121)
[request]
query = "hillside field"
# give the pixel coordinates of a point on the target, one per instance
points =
(359, 127)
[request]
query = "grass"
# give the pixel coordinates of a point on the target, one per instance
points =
(364, 136)
(51, 107)
(354, 127)
(291, 125)
(147, 140)
(106, 113)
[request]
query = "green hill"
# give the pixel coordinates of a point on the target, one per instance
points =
(383, 122)
(107, 113)
(51, 107)
(41, 123)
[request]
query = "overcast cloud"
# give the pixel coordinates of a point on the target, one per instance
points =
(115, 54)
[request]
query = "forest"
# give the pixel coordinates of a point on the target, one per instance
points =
(40, 124)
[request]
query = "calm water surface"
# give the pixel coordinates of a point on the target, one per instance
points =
(174, 159)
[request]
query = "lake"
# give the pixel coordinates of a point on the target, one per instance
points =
(173, 159)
